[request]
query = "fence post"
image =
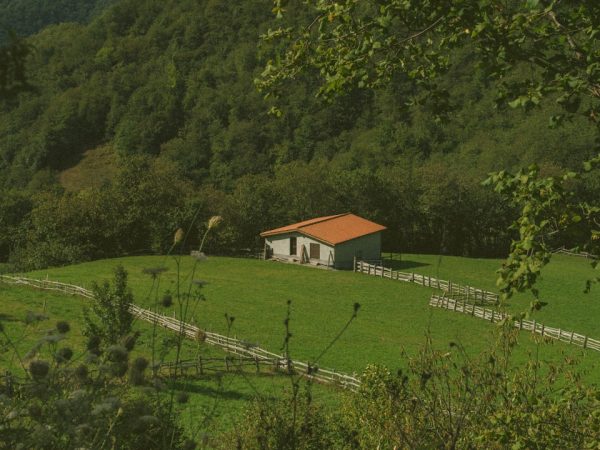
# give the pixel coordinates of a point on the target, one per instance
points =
(354, 265)
(382, 271)
(543, 327)
(585, 342)
(521, 324)
(533, 329)
(492, 319)
(571, 338)
(412, 278)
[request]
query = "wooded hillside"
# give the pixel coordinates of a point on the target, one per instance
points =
(173, 82)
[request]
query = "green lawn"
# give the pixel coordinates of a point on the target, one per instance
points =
(394, 315)
(561, 287)
(216, 400)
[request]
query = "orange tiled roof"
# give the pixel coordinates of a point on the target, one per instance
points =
(331, 229)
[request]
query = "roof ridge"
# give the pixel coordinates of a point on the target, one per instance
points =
(323, 219)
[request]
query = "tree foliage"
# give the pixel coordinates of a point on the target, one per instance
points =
(174, 81)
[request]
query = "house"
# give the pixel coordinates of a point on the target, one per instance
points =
(332, 241)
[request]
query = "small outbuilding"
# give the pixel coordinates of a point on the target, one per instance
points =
(332, 241)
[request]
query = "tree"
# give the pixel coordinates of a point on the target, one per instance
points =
(364, 44)
(13, 78)
(112, 318)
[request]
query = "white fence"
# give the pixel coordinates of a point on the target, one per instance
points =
(462, 306)
(228, 344)
(452, 289)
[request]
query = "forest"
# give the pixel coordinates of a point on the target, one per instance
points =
(144, 117)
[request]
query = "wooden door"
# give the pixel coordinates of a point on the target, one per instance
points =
(315, 251)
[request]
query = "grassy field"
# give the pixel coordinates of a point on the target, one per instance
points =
(561, 286)
(394, 316)
(216, 400)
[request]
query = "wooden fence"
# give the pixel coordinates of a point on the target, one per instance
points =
(450, 288)
(564, 251)
(231, 345)
(491, 315)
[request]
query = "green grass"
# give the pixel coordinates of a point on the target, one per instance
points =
(561, 287)
(217, 400)
(394, 316)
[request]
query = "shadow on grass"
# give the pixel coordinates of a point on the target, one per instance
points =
(224, 392)
(396, 264)
(8, 318)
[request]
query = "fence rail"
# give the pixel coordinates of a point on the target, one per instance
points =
(461, 306)
(231, 345)
(564, 251)
(452, 289)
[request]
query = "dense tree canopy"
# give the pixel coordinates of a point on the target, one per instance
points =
(175, 81)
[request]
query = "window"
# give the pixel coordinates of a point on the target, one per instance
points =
(315, 251)
(293, 246)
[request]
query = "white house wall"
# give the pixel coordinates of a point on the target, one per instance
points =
(280, 245)
(366, 247)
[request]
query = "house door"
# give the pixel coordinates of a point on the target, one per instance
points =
(315, 251)
(293, 246)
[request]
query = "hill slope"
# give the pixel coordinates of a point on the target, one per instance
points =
(173, 81)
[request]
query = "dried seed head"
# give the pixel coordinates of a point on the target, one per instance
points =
(214, 221)
(81, 372)
(140, 364)
(63, 327)
(179, 235)
(64, 354)
(182, 397)
(167, 300)
(39, 369)
(200, 336)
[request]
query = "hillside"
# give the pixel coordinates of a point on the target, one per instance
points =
(26, 17)
(172, 82)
